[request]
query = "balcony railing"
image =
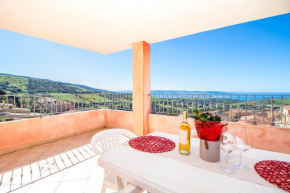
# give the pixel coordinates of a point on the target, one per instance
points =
(254, 109)
(14, 107)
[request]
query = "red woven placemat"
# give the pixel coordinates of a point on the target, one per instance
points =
(152, 144)
(276, 172)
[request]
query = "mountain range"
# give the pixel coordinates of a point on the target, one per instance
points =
(25, 84)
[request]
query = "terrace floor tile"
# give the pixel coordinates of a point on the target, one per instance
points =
(72, 186)
(40, 148)
(48, 187)
(75, 167)
(30, 156)
(56, 147)
(82, 173)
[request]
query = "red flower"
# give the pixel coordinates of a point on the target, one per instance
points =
(209, 130)
(216, 116)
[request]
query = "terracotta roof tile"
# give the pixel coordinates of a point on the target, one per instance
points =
(287, 107)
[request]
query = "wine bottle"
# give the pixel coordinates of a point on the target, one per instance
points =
(184, 136)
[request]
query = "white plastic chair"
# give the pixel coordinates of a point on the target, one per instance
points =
(106, 141)
(130, 188)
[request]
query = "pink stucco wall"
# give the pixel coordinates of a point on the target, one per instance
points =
(25, 133)
(264, 137)
(261, 137)
(119, 119)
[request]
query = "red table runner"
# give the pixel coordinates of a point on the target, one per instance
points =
(152, 144)
(276, 172)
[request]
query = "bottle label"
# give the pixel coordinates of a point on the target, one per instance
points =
(183, 137)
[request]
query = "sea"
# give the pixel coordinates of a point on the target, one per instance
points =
(241, 96)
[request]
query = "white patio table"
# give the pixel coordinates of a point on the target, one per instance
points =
(160, 174)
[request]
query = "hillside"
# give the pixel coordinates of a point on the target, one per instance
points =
(21, 84)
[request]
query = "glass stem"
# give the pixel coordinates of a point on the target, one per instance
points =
(240, 162)
(227, 160)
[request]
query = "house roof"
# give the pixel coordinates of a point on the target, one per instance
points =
(112, 26)
(258, 120)
(287, 107)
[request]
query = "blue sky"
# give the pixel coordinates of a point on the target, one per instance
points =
(253, 57)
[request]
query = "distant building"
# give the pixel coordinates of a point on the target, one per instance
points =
(256, 119)
(236, 114)
(58, 106)
(65, 106)
(48, 100)
(286, 114)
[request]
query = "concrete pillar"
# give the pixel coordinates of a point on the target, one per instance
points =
(141, 87)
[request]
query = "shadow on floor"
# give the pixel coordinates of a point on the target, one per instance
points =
(24, 167)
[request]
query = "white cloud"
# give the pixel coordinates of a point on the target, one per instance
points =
(181, 80)
(111, 85)
(86, 83)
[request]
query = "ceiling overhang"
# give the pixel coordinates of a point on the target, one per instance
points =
(107, 26)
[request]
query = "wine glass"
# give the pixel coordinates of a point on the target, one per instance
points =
(227, 145)
(241, 146)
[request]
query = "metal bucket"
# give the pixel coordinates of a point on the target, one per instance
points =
(209, 150)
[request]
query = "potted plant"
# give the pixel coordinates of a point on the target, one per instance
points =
(209, 129)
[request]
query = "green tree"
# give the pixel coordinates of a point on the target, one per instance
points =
(2, 92)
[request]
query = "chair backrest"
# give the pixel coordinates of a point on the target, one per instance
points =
(107, 140)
